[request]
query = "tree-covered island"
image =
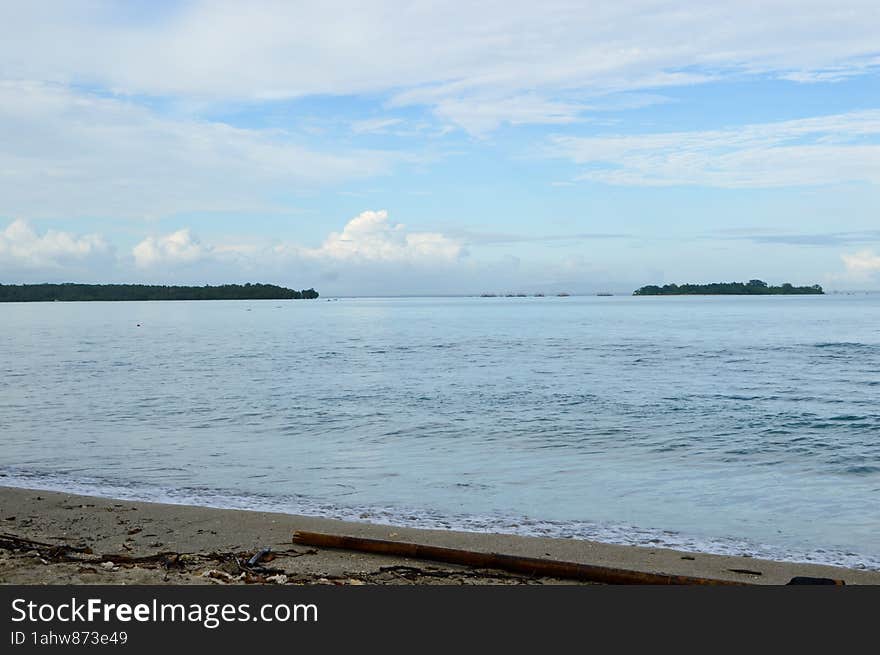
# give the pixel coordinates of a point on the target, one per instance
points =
(79, 292)
(750, 288)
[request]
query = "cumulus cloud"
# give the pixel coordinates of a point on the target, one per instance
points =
(370, 236)
(368, 239)
(176, 248)
(861, 265)
(814, 151)
(23, 248)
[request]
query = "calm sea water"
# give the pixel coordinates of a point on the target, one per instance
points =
(735, 425)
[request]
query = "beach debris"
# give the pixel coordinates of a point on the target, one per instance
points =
(255, 572)
(396, 571)
(46, 550)
(221, 575)
(513, 563)
(745, 571)
(253, 561)
(418, 575)
(225, 566)
(803, 579)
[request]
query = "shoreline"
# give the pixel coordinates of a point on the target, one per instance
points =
(111, 541)
(603, 533)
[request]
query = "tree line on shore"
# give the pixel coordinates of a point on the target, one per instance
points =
(750, 288)
(82, 292)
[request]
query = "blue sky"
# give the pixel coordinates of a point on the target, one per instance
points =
(440, 147)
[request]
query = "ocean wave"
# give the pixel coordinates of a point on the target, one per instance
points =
(611, 533)
(843, 345)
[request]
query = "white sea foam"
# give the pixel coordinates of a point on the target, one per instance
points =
(621, 534)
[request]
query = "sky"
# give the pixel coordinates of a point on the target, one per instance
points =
(398, 148)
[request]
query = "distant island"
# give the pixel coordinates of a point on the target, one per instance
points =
(83, 292)
(750, 288)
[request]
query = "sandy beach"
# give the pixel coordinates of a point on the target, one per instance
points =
(57, 538)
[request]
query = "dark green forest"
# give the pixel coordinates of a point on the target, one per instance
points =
(78, 292)
(750, 288)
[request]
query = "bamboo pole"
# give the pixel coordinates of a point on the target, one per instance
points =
(511, 563)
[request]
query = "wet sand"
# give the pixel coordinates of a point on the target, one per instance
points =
(56, 538)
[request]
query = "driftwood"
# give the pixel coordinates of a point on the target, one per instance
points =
(803, 579)
(512, 563)
(14, 541)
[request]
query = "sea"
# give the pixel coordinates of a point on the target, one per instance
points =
(733, 425)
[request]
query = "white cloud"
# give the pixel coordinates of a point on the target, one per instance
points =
(812, 77)
(813, 151)
(370, 254)
(370, 236)
(479, 115)
(374, 125)
(367, 239)
(66, 153)
(861, 265)
(21, 247)
(176, 248)
(455, 57)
